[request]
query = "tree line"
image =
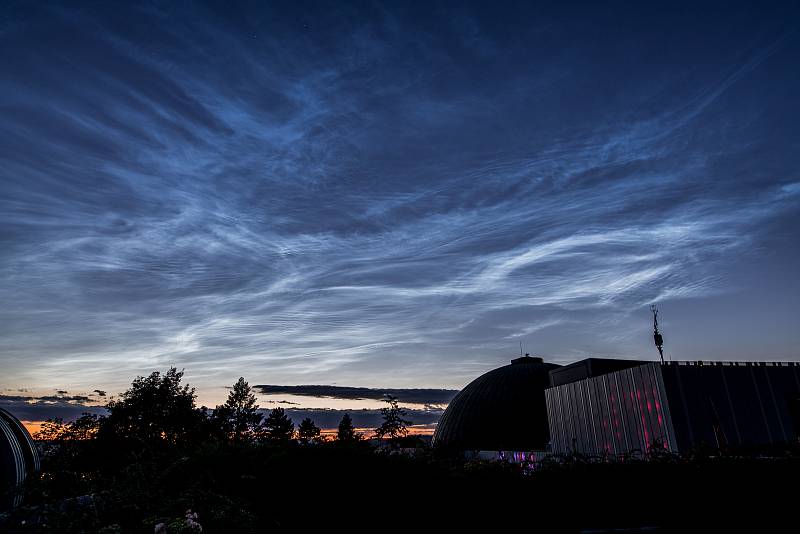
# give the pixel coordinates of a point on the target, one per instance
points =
(157, 460)
(158, 463)
(158, 410)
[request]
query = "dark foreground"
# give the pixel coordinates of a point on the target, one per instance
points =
(157, 463)
(269, 488)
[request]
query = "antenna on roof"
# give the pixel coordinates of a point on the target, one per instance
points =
(520, 348)
(659, 340)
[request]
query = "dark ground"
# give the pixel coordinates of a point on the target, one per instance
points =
(284, 488)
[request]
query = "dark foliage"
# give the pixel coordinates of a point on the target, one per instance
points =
(394, 423)
(178, 476)
(155, 412)
(278, 427)
(239, 417)
(308, 432)
(346, 433)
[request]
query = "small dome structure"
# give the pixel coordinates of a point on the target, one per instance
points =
(502, 410)
(18, 457)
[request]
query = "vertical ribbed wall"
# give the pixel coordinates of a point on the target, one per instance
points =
(615, 413)
(733, 404)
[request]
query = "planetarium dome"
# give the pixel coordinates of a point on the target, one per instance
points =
(502, 410)
(18, 457)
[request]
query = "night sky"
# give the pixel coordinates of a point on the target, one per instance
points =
(391, 196)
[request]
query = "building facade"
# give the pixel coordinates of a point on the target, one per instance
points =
(678, 406)
(502, 410)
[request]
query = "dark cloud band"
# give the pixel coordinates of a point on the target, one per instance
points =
(411, 396)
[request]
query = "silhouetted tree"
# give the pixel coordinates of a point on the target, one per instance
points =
(393, 426)
(51, 430)
(66, 440)
(156, 409)
(278, 426)
(239, 416)
(83, 428)
(307, 431)
(346, 432)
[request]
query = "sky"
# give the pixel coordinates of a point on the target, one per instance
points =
(389, 195)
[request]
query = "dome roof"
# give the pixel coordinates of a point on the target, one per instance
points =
(502, 410)
(18, 457)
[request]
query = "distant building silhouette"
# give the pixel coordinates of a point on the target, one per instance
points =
(502, 410)
(601, 406)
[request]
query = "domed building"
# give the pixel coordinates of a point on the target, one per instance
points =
(18, 457)
(502, 410)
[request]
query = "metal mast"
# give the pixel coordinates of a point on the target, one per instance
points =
(659, 340)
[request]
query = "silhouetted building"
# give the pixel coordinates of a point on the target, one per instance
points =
(614, 406)
(502, 410)
(18, 457)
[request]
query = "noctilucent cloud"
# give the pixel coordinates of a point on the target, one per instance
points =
(392, 196)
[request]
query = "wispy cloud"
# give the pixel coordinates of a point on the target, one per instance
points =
(364, 198)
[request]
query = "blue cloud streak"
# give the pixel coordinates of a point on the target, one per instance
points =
(385, 199)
